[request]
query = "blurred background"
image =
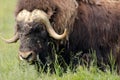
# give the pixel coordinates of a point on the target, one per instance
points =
(8, 52)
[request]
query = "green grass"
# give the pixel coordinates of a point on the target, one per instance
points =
(9, 62)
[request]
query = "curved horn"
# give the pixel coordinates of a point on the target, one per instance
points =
(12, 40)
(39, 15)
(22, 16)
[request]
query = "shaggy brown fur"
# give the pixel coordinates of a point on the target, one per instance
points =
(90, 26)
(98, 28)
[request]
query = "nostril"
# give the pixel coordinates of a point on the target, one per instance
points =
(21, 57)
(29, 56)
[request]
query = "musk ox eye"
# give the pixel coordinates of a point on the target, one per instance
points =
(19, 28)
(43, 34)
(46, 10)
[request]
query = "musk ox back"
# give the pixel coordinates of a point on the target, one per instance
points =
(72, 26)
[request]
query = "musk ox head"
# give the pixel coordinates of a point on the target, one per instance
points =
(36, 27)
(34, 31)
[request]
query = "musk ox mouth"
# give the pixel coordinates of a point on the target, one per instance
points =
(29, 57)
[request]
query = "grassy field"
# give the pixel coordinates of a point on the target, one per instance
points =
(9, 62)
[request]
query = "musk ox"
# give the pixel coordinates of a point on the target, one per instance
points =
(72, 26)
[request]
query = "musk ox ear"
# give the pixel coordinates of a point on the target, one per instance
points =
(11, 40)
(50, 12)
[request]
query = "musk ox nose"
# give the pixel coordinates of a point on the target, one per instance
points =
(27, 56)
